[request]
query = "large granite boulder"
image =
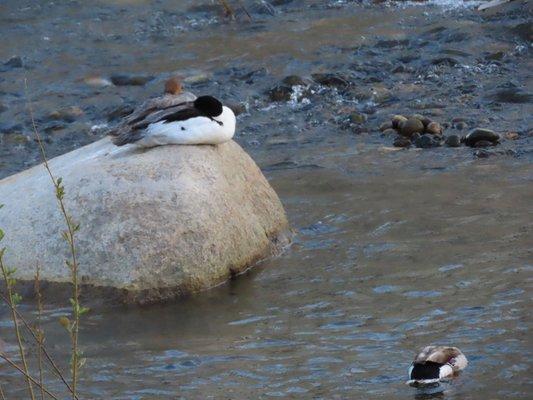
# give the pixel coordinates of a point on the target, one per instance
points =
(155, 223)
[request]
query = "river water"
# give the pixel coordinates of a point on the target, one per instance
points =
(393, 249)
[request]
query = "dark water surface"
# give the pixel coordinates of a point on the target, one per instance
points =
(394, 249)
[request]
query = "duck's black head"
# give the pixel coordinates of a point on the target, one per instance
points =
(208, 106)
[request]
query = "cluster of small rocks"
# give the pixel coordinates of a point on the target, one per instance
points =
(422, 132)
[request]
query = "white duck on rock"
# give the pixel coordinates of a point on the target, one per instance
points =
(176, 118)
(436, 364)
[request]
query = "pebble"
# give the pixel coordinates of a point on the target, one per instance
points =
(358, 118)
(130, 80)
(14, 62)
(412, 125)
(397, 120)
(280, 93)
(385, 125)
(3, 107)
(453, 141)
(460, 125)
(425, 120)
(401, 141)
(330, 79)
(389, 131)
(481, 134)
(294, 80)
(508, 135)
(97, 81)
(196, 79)
(434, 128)
(69, 114)
(427, 141)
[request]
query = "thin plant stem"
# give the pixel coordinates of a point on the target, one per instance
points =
(73, 264)
(2, 396)
(21, 370)
(245, 10)
(38, 329)
(227, 8)
(56, 369)
(13, 306)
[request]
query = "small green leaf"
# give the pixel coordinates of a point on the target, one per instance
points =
(65, 323)
(1, 234)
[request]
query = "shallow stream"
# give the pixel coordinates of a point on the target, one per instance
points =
(394, 249)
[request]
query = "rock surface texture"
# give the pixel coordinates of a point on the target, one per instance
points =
(155, 224)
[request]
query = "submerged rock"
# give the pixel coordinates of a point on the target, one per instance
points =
(155, 224)
(330, 79)
(280, 93)
(401, 141)
(14, 62)
(453, 141)
(481, 134)
(130, 80)
(427, 141)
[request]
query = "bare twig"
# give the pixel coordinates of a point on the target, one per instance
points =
(22, 371)
(2, 396)
(68, 235)
(38, 328)
(245, 10)
(12, 305)
(227, 8)
(56, 369)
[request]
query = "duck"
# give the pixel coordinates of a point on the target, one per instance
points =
(178, 118)
(436, 364)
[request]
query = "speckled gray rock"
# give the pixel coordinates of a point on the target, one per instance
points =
(155, 224)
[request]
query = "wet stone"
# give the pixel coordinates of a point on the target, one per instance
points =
(434, 128)
(14, 62)
(197, 79)
(385, 125)
(69, 114)
(481, 134)
(280, 93)
(389, 131)
(401, 141)
(425, 120)
(483, 143)
(397, 120)
(412, 125)
(96, 81)
(330, 79)
(130, 80)
(294, 80)
(358, 118)
(453, 141)
(450, 62)
(460, 125)
(427, 141)
(512, 95)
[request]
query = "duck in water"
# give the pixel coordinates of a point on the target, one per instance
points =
(436, 364)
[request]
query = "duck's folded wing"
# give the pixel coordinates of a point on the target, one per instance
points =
(134, 129)
(153, 110)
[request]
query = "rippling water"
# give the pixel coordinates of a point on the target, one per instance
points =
(393, 250)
